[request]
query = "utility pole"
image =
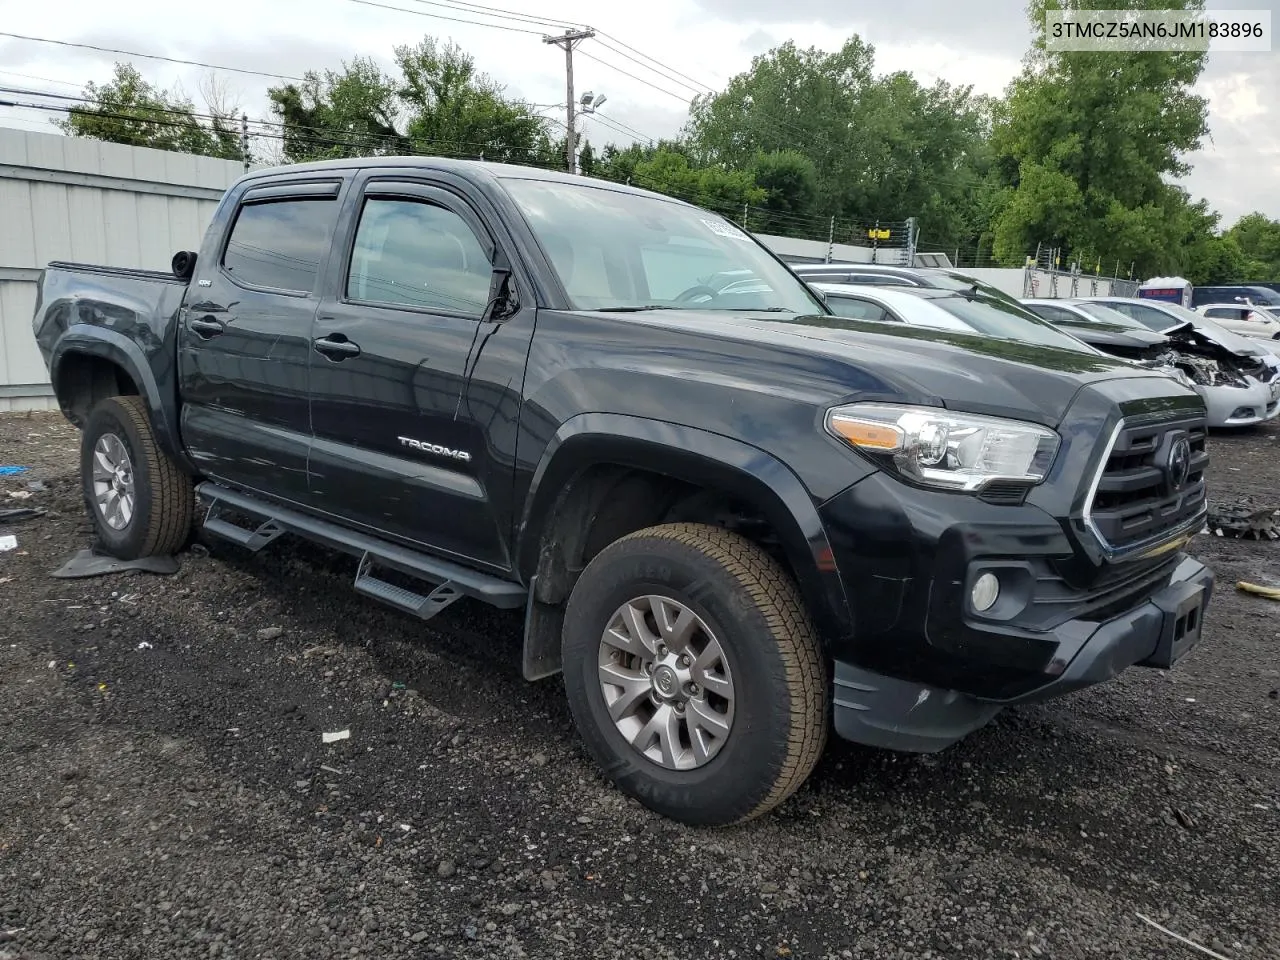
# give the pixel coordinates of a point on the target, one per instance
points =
(569, 40)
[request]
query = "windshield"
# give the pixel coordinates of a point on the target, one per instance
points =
(1103, 314)
(1159, 318)
(1008, 321)
(945, 280)
(618, 251)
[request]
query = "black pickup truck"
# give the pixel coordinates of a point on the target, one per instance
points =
(732, 520)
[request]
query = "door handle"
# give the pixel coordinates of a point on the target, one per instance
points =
(336, 349)
(207, 327)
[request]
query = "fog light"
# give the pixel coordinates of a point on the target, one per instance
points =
(986, 590)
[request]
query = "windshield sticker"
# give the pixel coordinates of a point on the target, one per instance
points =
(722, 229)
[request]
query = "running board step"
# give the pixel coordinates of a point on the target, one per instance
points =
(421, 605)
(445, 577)
(252, 540)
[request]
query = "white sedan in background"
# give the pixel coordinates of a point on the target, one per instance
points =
(1247, 319)
(1232, 398)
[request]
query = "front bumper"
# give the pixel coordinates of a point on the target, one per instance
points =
(881, 711)
(1230, 406)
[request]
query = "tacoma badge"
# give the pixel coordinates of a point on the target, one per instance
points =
(435, 448)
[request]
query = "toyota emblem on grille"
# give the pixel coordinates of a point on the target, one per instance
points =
(1179, 465)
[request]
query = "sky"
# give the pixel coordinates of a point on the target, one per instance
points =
(700, 43)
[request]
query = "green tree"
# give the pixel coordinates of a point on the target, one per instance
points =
(440, 104)
(881, 147)
(1086, 143)
(454, 108)
(132, 111)
(790, 184)
(619, 163)
(714, 187)
(350, 112)
(586, 160)
(1258, 238)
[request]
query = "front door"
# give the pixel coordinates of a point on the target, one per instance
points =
(396, 445)
(244, 340)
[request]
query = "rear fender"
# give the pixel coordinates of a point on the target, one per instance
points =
(110, 345)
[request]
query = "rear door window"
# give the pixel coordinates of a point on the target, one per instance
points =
(279, 244)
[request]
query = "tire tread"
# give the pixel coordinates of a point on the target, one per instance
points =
(778, 600)
(169, 521)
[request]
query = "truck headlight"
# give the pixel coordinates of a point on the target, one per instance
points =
(950, 451)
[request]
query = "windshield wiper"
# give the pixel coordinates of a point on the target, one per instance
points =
(636, 309)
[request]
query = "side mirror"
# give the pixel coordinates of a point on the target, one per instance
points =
(183, 264)
(501, 303)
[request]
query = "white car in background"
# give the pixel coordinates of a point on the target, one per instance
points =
(1232, 397)
(1246, 319)
(1162, 316)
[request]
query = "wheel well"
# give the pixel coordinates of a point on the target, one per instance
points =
(606, 502)
(84, 380)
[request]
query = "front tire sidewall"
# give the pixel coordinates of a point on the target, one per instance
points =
(734, 783)
(129, 543)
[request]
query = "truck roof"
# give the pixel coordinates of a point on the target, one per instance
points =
(489, 170)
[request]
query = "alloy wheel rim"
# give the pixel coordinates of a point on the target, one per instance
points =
(114, 495)
(667, 682)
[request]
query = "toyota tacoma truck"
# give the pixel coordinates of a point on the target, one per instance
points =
(732, 520)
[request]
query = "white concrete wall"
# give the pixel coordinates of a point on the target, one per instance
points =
(69, 198)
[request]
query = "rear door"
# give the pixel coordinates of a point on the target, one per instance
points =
(403, 408)
(244, 340)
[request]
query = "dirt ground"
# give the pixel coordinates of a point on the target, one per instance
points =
(165, 792)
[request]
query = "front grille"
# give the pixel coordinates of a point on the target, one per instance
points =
(1135, 500)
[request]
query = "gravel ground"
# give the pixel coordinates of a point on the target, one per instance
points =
(165, 792)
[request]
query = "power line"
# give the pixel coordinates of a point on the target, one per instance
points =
(28, 76)
(481, 10)
(696, 83)
(666, 72)
(812, 225)
(152, 56)
(290, 129)
(618, 127)
(611, 66)
(441, 16)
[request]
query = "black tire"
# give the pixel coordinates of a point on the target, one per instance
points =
(164, 497)
(753, 608)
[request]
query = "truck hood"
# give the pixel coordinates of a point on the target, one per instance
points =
(961, 371)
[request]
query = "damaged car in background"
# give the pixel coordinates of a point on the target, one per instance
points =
(1240, 389)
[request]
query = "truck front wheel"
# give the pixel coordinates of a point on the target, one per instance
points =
(139, 499)
(694, 674)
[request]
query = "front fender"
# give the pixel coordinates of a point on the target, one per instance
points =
(707, 460)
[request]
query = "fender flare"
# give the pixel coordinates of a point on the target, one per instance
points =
(115, 347)
(705, 459)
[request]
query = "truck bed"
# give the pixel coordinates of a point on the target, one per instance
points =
(125, 317)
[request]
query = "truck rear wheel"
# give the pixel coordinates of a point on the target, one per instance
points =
(140, 501)
(694, 674)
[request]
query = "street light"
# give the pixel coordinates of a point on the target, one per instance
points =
(587, 103)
